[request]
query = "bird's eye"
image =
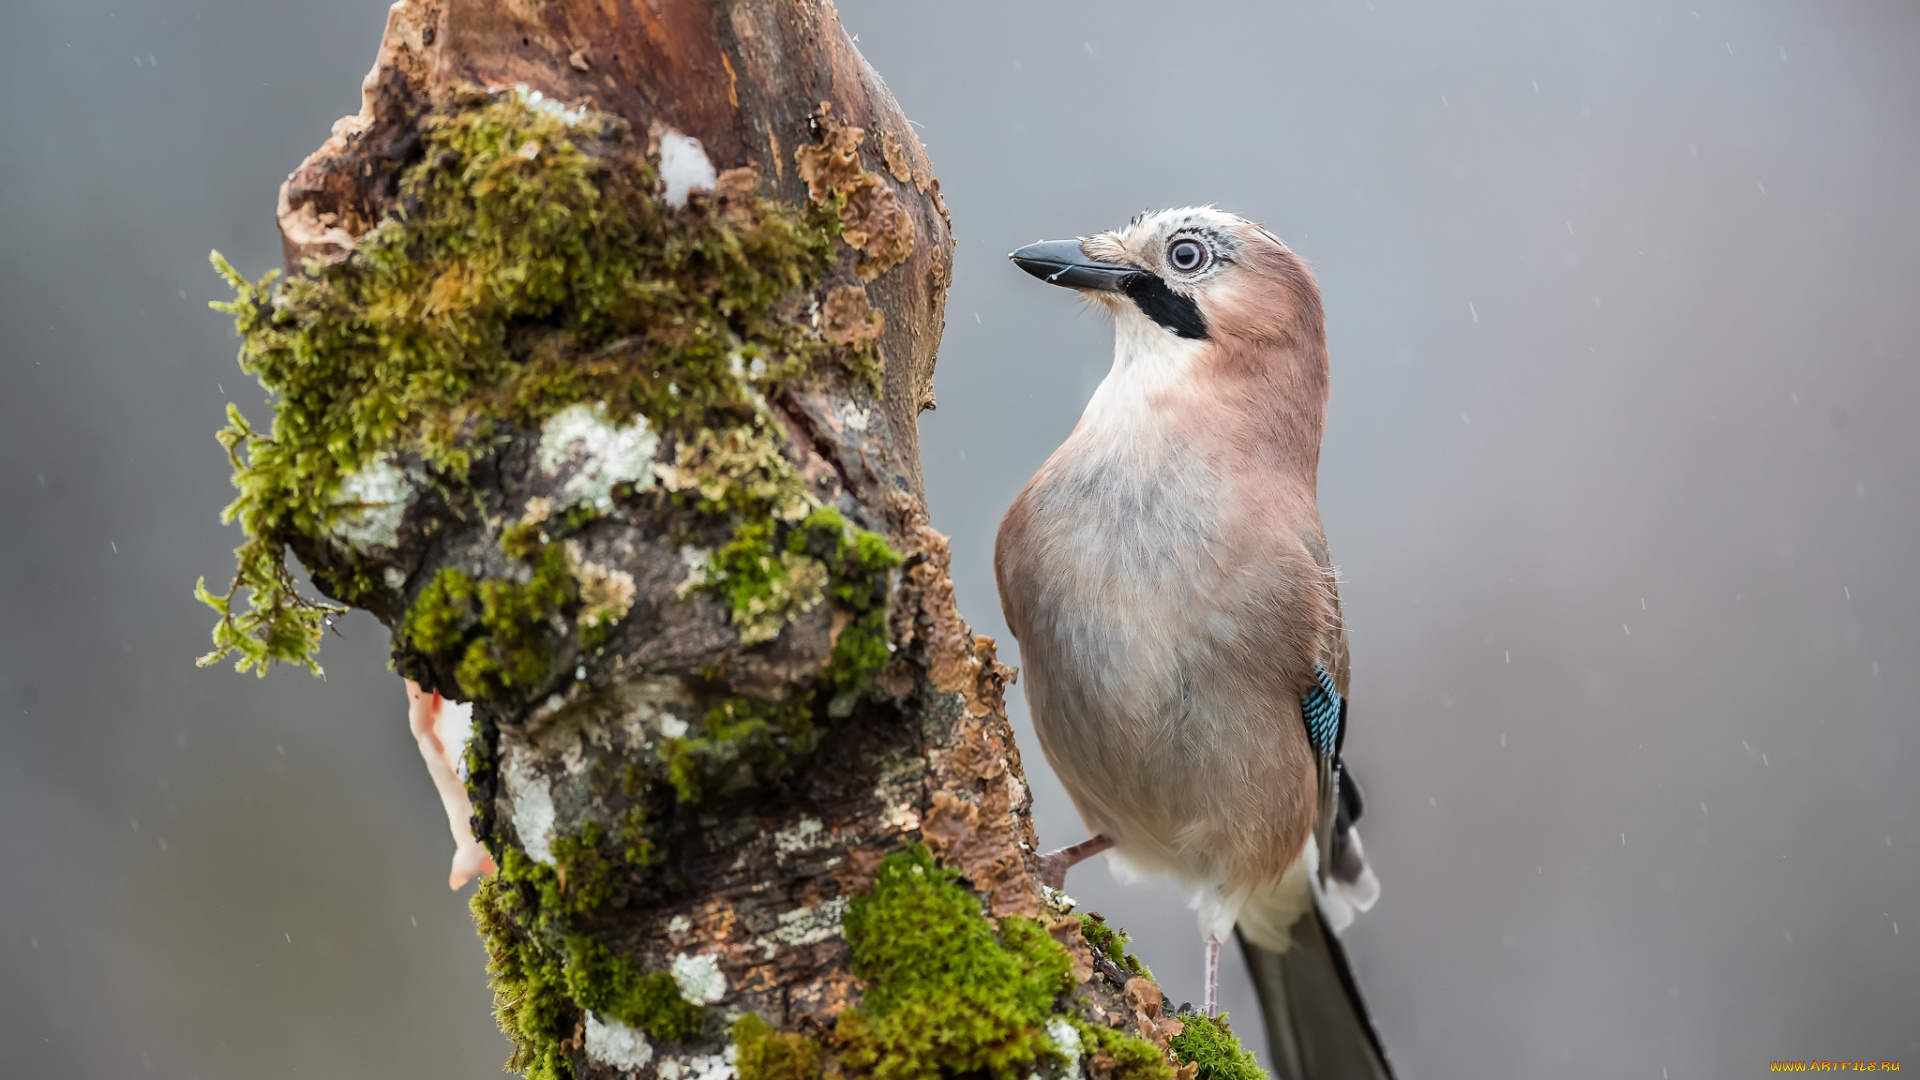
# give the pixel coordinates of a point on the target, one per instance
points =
(1188, 255)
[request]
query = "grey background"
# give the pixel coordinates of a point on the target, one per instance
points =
(1620, 469)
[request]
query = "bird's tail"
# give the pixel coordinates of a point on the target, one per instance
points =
(1317, 1025)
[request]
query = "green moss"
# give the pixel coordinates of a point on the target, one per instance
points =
(763, 585)
(1132, 1058)
(771, 570)
(766, 1054)
(529, 984)
(739, 740)
(612, 985)
(502, 633)
(948, 992)
(1210, 1042)
(547, 967)
(1112, 941)
(527, 266)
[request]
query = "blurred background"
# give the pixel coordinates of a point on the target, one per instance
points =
(1624, 306)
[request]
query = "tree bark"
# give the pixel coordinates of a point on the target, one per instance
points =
(742, 869)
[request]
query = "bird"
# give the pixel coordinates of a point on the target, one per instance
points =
(441, 728)
(1182, 651)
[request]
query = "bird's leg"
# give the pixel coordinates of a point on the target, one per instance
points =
(423, 715)
(1055, 864)
(1211, 999)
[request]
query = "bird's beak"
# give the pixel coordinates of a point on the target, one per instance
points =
(1061, 262)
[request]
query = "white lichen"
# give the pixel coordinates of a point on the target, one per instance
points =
(699, 977)
(805, 926)
(611, 1042)
(597, 455)
(532, 802)
(799, 837)
(714, 1066)
(898, 814)
(673, 727)
(541, 103)
(1066, 1037)
(695, 559)
(684, 168)
(855, 416)
(370, 504)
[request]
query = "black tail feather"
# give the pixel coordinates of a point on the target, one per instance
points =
(1317, 1024)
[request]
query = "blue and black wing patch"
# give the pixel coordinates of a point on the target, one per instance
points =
(1325, 712)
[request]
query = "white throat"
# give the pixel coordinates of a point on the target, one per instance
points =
(1148, 362)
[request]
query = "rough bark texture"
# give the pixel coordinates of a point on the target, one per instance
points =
(631, 832)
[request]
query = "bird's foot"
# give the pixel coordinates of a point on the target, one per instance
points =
(1055, 864)
(470, 861)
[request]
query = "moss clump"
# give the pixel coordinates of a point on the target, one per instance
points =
(612, 985)
(766, 1054)
(526, 266)
(948, 992)
(740, 740)
(765, 584)
(530, 996)
(1112, 942)
(1210, 1043)
(771, 570)
(1119, 1056)
(768, 572)
(546, 968)
(503, 631)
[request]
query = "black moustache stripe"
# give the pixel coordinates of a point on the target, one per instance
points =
(1168, 308)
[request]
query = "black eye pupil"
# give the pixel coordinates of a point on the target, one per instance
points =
(1187, 255)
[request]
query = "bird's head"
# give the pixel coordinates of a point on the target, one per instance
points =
(1195, 273)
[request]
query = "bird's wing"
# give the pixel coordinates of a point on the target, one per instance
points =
(1343, 869)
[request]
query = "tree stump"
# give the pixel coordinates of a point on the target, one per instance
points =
(596, 380)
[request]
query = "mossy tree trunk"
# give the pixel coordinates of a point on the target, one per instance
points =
(616, 433)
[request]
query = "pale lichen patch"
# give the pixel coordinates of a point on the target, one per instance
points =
(532, 803)
(699, 977)
(1066, 1037)
(611, 1042)
(370, 503)
(805, 926)
(543, 104)
(684, 168)
(802, 836)
(597, 455)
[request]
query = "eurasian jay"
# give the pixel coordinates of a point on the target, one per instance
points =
(1178, 614)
